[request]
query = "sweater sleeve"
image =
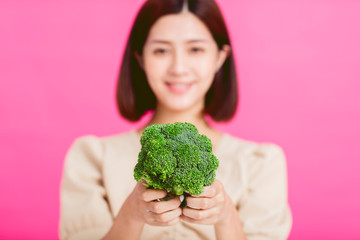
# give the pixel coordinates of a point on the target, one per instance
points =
(84, 210)
(265, 212)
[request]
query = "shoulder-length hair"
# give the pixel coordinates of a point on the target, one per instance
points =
(134, 96)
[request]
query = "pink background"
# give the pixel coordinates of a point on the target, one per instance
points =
(298, 63)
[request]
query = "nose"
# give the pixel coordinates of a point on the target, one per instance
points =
(178, 66)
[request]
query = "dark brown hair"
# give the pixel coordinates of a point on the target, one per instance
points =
(134, 96)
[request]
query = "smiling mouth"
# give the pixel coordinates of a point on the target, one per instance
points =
(179, 88)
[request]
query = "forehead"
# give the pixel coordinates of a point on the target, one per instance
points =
(179, 27)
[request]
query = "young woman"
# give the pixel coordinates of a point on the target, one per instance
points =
(177, 63)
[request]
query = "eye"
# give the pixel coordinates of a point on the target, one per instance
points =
(160, 51)
(196, 50)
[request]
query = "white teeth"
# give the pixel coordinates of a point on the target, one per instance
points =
(179, 85)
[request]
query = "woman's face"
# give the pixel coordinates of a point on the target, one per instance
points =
(180, 58)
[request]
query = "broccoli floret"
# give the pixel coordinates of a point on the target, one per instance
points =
(177, 158)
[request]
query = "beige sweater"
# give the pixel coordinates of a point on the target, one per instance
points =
(98, 177)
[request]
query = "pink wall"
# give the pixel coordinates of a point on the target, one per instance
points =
(299, 67)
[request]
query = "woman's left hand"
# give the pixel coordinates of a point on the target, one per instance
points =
(212, 206)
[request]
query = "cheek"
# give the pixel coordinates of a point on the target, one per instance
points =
(206, 70)
(154, 70)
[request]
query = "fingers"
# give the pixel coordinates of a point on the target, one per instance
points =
(212, 190)
(211, 196)
(200, 202)
(162, 213)
(208, 221)
(208, 207)
(208, 216)
(152, 212)
(207, 192)
(205, 208)
(149, 195)
(164, 206)
(164, 219)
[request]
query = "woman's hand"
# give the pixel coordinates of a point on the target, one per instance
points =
(142, 206)
(212, 206)
(148, 209)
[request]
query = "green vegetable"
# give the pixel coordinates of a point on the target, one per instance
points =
(177, 158)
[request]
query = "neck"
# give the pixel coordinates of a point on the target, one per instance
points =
(163, 115)
(195, 116)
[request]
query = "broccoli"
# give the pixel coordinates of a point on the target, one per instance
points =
(177, 158)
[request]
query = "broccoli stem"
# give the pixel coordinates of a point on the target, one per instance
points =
(171, 195)
(177, 190)
(184, 202)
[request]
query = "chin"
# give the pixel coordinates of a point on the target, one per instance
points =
(181, 107)
(181, 103)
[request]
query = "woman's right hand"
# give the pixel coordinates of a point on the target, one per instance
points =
(142, 206)
(146, 207)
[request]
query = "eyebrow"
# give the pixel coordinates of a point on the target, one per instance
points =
(188, 41)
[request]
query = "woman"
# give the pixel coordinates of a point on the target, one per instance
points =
(177, 63)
